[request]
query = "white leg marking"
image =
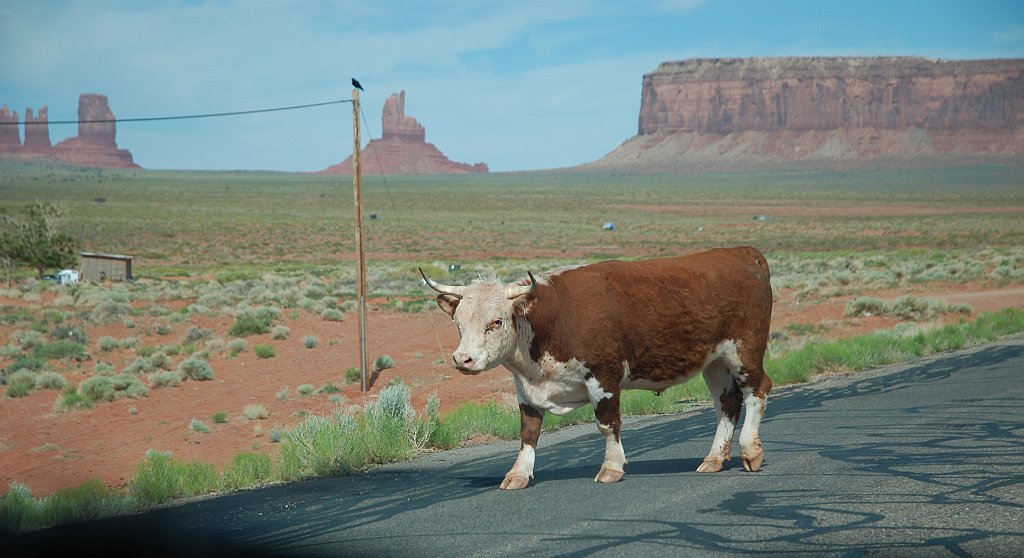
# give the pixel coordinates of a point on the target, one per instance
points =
(518, 477)
(614, 464)
(752, 421)
(524, 461)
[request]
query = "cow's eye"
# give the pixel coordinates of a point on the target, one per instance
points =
(494, 325)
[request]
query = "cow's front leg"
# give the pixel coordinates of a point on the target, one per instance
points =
(606, 410)
(521, 472)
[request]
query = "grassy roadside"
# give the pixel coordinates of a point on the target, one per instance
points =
(391, 430)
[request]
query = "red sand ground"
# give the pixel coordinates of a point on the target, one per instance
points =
(49, 450)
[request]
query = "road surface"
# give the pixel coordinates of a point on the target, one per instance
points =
(922, 459)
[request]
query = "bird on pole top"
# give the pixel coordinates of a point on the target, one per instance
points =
(357, 85)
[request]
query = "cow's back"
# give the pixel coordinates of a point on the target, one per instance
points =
(662, 316)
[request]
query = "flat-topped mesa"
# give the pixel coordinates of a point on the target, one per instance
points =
(10, 139)
(403, 148)
(37, 132)
(803, 93)
(732, 113)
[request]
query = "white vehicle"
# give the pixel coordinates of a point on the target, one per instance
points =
(67, 277)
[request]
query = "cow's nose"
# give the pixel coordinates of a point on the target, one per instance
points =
(462, 359)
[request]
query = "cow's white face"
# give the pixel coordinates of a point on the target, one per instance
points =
(485, 317)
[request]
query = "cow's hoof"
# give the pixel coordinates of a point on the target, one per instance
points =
(515, 482)
(607, 474)
(710, 467)
(753, 462)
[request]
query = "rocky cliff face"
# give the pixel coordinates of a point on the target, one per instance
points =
(402, 149)
(95, 145)
(733, 111)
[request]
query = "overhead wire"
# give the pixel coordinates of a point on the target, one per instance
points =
(179, 117)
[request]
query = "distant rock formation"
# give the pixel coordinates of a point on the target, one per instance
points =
(402, 149)
(95, 145)
(742, 112)
(37, 132)
(10, 139)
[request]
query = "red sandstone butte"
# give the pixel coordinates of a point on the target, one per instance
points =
(737, 112)
(95, 145)
(403, 149)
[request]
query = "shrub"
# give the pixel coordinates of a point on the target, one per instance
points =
(197, 425)
(280, 332)
(237, 345)
(247, 469)
(196, 369)
(69, 332)
(264, 351)
(196, 334)
(21, 383)
(383, 362)
(29, 340)
(50, 380)
(160, 359)
(72, 399)
(864, 306)
(61, 348)
(220, 417)
(330, 388)
(305, 390)
(284, 394)
(353, 374)
(104, 367)
(255, 412)
(108, 343)
(164, 378)
(109, 388)
(332, 315)
(160, 479)
(321, 446)
(310, 341)
(140, 365)
(247, 325)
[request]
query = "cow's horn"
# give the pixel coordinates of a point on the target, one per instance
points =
(443, 289)
(513, 291)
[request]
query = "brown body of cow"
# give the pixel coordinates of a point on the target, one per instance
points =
(583, 334)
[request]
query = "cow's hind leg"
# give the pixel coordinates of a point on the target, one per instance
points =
(609, 422)
(747, 369)
(755, 396)
(726, 395)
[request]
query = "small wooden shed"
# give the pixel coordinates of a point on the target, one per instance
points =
(106, 267)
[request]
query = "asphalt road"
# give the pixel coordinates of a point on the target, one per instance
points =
(926, 459)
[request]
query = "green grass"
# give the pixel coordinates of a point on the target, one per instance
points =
(153, 214)
(160, 479)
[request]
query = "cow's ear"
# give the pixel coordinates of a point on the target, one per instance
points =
(521, 305)
(448, 303)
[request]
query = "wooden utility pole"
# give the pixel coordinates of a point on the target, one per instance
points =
(357, 188)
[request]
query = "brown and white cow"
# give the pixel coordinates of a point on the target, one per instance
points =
(581, 335)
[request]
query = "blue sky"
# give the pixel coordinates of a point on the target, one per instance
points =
(518, 85)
